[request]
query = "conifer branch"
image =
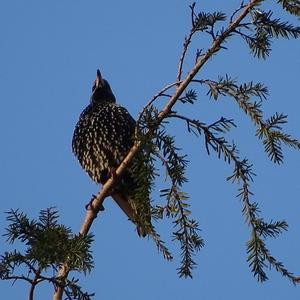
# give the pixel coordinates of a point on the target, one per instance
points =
(47, 246)
(217, 44)
(265, 29)
(292, 6)
(270, 130)
(258, 253)
(177, 207)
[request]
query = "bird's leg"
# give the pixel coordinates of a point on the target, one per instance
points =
(90, 204)
(110, 174)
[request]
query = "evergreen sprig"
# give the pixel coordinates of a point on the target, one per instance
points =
(259, 259)
(265, 29)
(271, 229)
(270, 130)
(49, 245)
(144, 167)
(243, 94)
(259, 44)
(292, 6)
(186, 229)
(272, 135)
(189, 97)
(204, 21)
(274, 28)
(258, 254)
(174, 162)
(74, 291)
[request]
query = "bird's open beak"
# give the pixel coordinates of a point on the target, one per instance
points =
(99, 80)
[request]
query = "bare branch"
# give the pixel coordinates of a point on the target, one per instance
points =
(157, 95)
(18, 277)
(35, 281)
(242, 5)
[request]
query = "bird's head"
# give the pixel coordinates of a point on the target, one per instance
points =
(101, 91)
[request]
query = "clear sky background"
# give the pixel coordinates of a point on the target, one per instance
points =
(50, 51)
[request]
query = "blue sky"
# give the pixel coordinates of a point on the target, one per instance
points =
(50, 51)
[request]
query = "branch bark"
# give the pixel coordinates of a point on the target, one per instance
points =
(35, 281)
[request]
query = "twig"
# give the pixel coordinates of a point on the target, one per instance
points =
(34, 282)
(164, 163)
(157, 95)
(186, 44)
(242, 5)
(243, 35)
(18, 277)
(193, 15)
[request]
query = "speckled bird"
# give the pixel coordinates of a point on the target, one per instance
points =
(102, 138)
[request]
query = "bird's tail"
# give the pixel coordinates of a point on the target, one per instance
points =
(138, 213)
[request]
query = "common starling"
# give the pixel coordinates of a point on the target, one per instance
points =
(102, 138)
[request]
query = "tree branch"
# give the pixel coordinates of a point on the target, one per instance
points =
(157, 95)
(34, 282)
(103, 193)
(18, 277)
(186, 43)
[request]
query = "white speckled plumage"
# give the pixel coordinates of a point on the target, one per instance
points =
(102, 138)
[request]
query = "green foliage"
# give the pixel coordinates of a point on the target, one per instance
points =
(292, 6)
(274, 28)
(259, 44)
(157, 143)
(174, 162)
(269, 130)
(258, 254)
(273, 137)
(143, 166)
(177, 207)
(160, 145)
(74, 291)
(242, 94)
(189, 97)
(204, 21)
(265, 29)
(144, 182)
(48, 246)
(186, 229)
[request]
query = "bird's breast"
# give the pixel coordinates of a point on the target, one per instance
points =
(102, 138)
